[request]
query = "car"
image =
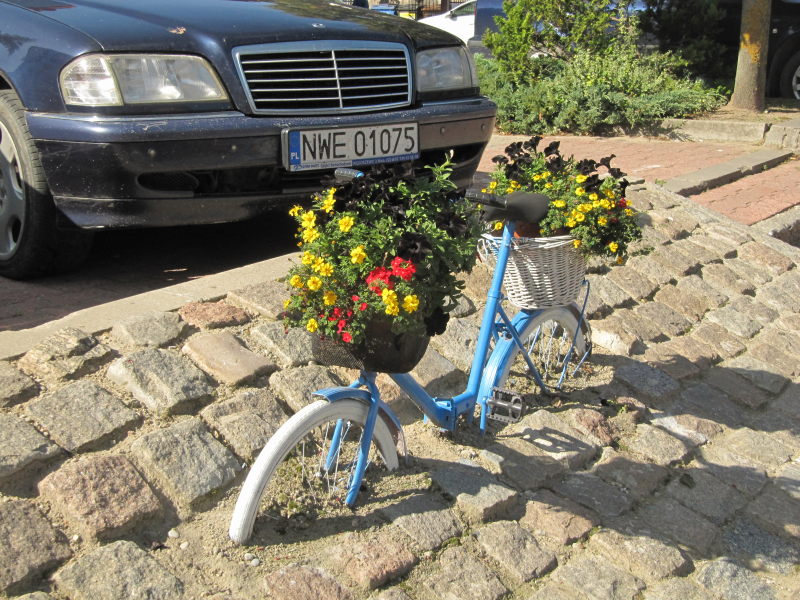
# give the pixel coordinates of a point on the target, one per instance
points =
(460, 21)
(149, 113)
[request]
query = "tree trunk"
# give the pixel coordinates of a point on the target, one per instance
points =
(749, 90)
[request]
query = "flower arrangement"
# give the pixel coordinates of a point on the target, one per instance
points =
(382, 247)
(586, 203)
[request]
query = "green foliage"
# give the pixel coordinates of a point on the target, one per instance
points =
(382, 247)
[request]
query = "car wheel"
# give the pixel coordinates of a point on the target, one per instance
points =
(31, 243)
(790, 77)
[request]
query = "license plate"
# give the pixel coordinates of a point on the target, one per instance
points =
(350, 146)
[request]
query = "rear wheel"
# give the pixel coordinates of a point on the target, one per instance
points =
(31, 244)
(790, 77)
(298, 477)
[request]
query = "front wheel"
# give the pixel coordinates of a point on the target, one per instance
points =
(302, 473)
(790, 77)
(547, 339)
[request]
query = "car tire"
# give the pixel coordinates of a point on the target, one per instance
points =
(32, 243)
(790, 77)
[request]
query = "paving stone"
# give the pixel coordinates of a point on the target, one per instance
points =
(719, 339)
(186, 460)
(788, 403)
(757, 372)
(246, 421)
(457, 343)
(766, 257)
(439, 376)
(749, 271)
(788, 479)
(591, 423)
(669, 360)
(649, 268)
(670, 322)
(101, 496)
(652, 237)
(701, 252)
(291, 347)
(708, 403)
(612, 333)
(647, 380)
(265, 298)
(689, 304)
(726, 280)
(735, 321)
(676, 224)
(67, 354)
(31, 546)
(461, 576)
(119, 570)
(392, 594)
(591, 491)
(210, 315)
(737, 471)
(735, 236)
(556, 591)
(702, 492)
(657, 445)
(22, 446)
(522, 464)
(775, 511)
(639, 326)
(162, 380)
(736, 387)
(670, 518)
(558, 518)
(608, 292)
(515, 550)
(555, 438)
(674, 589)
(154, 330)
(633, 283)
(296, 386)
(598, 579)
(477, 493)
(426, 522)
(643, 556)
(777, 362)
(637, 477)
(35, 596)
(223, 356)
(753, 546)
(721, 247)
(778, 298)
(782, 339)
(687, 427)
(697, 285)
(372, 562)
(300, 582)
(15, 386)
(674, 261)
(725, 578)
(757, 446)
(81, 415)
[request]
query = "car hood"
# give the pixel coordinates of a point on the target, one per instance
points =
(191, 25)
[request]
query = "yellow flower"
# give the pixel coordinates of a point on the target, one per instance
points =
(537, 177)
(357, 255)
(576, 243)
(559, 204)
(309, 235)
(602, 221)
(548, 185)
(546, 174)
(593, 197)
(392, 309)
(326, 270)
(613, 246)
(498, 225)
(346, 223)
(610, 194)
(570, 223)
(595, 203)
(492, 185)
(312, 325)
(286, 303)
(295, 210)
(410, 303)
(318, 262)
(580, 191)
(308, 258)
(309, 219)
(389, 296)
(605, 204)
(581, 178)
(628, 212)
(329, 201)
(296, 281)
(314, 283)
(329, 298)
(584, 208)
(580, 217)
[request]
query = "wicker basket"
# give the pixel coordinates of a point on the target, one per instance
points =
(541, 272)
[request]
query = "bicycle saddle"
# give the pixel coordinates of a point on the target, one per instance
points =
(517, 206)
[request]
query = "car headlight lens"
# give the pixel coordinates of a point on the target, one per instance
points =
(117, 79)
(445, 69)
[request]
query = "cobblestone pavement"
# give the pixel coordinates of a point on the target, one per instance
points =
(676, 476)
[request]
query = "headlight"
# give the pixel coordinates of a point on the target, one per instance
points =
(444, 69)
(117, 79)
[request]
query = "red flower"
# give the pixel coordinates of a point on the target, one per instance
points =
(342, 324)
(622, 203)
(362, 306)
(354, 298)
(346, 337)
(379, 274)
(404, 269)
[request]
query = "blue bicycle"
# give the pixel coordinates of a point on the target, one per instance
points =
(321, 454)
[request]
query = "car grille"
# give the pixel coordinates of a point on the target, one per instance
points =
(325, 77)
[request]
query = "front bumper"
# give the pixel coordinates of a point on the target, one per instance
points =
(197, 169)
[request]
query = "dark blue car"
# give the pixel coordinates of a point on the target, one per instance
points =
(119, 113)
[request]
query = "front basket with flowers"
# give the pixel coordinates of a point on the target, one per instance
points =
(588, 215)
(377, 270)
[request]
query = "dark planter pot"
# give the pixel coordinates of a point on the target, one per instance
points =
(381, 351)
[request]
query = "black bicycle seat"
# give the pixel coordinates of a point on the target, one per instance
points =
(517, 206)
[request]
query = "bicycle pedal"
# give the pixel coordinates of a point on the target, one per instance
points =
(504, 406)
